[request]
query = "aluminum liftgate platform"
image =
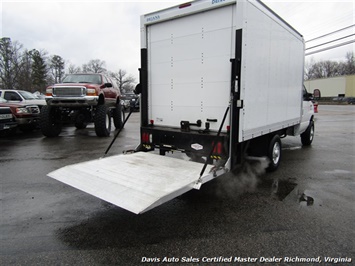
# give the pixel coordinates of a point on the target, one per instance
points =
(136, 182)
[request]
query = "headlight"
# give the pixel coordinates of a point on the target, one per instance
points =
(49, 91)
(22, 110)
(91, 92)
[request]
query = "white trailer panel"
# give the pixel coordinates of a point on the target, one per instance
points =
(189, 67)
(272, 73)
(189, 52)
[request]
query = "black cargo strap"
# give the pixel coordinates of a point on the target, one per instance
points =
(118, 132)
(214, 144)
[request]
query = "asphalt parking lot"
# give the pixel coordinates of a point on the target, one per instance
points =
(301, 214)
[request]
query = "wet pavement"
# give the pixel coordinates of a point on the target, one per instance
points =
(302, 212)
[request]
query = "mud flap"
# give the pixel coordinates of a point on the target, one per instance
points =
(136, 182)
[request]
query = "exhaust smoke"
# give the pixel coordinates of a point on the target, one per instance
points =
(244, 178)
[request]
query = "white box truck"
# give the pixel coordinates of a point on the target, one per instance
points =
(219, 80)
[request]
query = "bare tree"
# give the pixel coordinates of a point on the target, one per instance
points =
(10, 62)
(94, 66)
(24, 81)
(330, 68)
(308, 74)
(124, 81)
(326, 69)
(350, 63)
(72, 69)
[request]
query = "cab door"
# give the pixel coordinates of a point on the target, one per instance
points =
(307, 110)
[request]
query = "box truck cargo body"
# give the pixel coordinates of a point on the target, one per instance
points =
(219, 80)
(202, 57)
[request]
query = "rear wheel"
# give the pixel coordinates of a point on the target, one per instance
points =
(50, 123)
(274, 153)
(308, 136)
(118, 116)
(80, 120)
(102, 121)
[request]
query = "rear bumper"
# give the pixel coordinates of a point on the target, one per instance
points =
(197, 143)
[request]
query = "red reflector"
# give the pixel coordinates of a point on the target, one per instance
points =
(145, 137)
(185, 5)
(218, 148)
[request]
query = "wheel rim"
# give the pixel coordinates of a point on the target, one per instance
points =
(311, 133)
(122, 117)
(276, 153)
(107, 121)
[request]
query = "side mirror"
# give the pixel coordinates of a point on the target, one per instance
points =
(138, 89)
(316, 94)
(309, 97)
(108, 85)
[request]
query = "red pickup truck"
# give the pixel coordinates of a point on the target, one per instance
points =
(81, 99)
(25, 116)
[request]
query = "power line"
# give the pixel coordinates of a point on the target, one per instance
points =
(330, 41)
(330, 33)
(330, 47)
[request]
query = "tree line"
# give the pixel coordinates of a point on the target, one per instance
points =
(33, 70)
(328, 69)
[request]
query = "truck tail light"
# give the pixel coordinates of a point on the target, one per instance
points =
(146, 137)
(218, 148)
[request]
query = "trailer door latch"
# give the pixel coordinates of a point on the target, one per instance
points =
(185, 125)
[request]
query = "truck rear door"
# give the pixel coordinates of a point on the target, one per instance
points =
(189, 69)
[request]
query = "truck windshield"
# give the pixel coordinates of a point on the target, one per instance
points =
(27, 95)
(83, 78)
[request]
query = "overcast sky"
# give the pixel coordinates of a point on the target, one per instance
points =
(79, 31)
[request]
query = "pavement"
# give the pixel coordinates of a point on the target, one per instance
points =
(301, 214)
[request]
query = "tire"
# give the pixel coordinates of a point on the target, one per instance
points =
(80, 120)
(308, 136)
(102, 121)
(49, 124)
(27, 128)
(118, 116)
(274, 153)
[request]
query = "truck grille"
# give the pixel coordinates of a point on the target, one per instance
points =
(33, 109)
(5, 114)
(5, 110)
(69, 91)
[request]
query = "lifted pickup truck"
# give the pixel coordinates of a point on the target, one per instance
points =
(81, 99)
